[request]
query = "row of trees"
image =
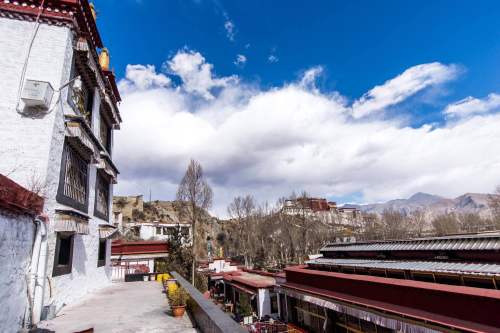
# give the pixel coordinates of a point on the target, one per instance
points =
(263, 235)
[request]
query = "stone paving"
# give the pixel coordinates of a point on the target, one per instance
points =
(121, 308)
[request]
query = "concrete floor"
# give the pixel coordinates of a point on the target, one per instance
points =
(122, 308)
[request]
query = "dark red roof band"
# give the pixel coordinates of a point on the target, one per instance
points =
(465, 308)
(17, 199)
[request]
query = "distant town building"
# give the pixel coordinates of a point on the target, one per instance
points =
(156, 220)
(59, 111)
(344, 220)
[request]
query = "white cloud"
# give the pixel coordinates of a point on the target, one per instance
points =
(471, 105)
(273, 59)
(196, 74)
(143, 77)
(411, 81)
(292, 137)
(230, 30)
(309, 77)
(241, 60)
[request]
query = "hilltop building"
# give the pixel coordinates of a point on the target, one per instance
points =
(59, 111)
(345, 220)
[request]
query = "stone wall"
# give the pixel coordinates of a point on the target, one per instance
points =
(16, 241)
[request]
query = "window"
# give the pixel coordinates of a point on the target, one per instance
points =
(83, 103)
(73, 181)
(102, 196)
(158, 230)
(101, 256)
(63, 255)
(105, 133)
(171, 231)
(185, 231)
(274, 303)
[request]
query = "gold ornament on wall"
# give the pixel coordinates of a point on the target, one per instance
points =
(104, 59)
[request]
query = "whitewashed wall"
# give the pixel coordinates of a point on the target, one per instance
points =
(16, 242)
(31, 149)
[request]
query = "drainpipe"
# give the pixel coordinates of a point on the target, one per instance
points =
(41, 271)
(37, 270)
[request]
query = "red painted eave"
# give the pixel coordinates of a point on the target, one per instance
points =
(400, 282)
(394, 309)
(16, 198)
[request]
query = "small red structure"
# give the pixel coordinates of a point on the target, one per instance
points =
(121, 247)
(16, 198)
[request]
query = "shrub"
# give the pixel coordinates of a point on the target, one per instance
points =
(179, 297)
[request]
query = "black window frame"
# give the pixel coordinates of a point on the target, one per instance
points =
(104, 123)
(58, 269)
(88, 92)
(102, 252)
(102, 181)
(61, 197)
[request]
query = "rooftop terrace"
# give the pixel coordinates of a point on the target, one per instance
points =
(122, 307)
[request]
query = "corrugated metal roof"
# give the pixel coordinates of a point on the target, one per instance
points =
(422, 266)
(461, 242)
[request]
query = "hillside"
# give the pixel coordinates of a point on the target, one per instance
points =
(433, 205)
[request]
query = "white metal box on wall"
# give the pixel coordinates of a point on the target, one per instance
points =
(37, 94)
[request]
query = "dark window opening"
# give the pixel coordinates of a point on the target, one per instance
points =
(274, 303)
(64, 254)
(102, 196)
(105, 133)
(101, 256)
(73, 182)
(185, 231)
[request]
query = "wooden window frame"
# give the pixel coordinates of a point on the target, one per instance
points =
(102, 262)
(100, 179)
(59, 270)
(61, 196)
(105, 130)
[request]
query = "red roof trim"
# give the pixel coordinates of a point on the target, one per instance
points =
(76, 11)
(398, 282)
(385, 307)
(16, 198)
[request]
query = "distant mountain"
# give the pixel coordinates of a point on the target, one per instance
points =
(433, 205)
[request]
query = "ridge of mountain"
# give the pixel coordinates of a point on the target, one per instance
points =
(432, 204)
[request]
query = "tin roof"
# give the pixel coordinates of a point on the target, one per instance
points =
(412, 265)
(485, 241)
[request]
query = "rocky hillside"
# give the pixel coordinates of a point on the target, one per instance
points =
(433, 205)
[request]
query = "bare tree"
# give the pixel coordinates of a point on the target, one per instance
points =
(417, 222)
(395, 224)
(494, 204)
(471, 222)
(197, 194)
(241, 209)
(445, 224)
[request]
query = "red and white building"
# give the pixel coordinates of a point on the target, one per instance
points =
(59, 109)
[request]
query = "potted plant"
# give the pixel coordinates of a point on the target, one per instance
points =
(178, 300)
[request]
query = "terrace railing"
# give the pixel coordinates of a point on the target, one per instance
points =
(208, 317)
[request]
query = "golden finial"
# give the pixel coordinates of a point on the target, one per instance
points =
(104, 59)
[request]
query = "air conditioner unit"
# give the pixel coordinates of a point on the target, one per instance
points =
(37, 94)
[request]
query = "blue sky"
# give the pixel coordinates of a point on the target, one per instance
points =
(327, 58)
(360, 43)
